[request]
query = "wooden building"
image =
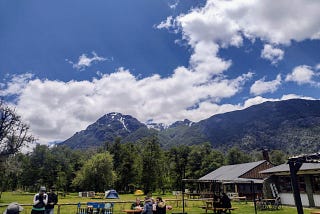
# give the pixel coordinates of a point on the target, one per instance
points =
(309, 184)
(238, 179)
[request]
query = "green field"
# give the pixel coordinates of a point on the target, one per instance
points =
(68, 204)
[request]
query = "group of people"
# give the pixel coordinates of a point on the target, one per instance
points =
(150, 206)
(43, 203)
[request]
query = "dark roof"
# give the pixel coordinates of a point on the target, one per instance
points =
(233, 173)
(284, 168)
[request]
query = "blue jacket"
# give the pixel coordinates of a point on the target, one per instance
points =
(147, 208)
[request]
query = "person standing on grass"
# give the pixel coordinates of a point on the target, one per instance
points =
(52, 200)
(148, 206)
(161, 207)
(40, 200)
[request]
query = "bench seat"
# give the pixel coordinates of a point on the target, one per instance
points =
(215, 209)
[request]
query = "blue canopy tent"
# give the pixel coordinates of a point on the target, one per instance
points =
(111, 194)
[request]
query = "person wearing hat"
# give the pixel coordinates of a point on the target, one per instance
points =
(40, 200)
(13, 208)
(52, 200)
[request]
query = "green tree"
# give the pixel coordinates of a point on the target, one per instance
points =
(34, 168)
(128, 170)
(151, 154)
(211, 162)
(178, 157)
(14, 134)
(96, 174)
(236, 156)
(278, 157)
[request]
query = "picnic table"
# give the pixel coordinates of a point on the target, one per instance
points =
(193, 195)
(210, 205)
(95, 208)
(269, 203)
(239, 199)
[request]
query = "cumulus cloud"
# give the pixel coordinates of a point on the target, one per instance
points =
(302, 74)
(56, 110)
(261, 86)
(272, 54)
(84, 61)
(227, 22)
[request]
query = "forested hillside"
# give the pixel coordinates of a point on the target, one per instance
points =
(292, 126)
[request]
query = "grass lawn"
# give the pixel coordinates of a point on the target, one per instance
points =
(192, 207)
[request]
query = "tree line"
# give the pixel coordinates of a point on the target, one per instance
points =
(121, 166)
(115, 165)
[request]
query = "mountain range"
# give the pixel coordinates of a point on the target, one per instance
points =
(292, 126)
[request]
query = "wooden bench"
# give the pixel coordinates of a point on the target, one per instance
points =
(239, 199)
(218, 209)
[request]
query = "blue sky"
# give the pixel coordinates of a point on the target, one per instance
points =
(64, 64)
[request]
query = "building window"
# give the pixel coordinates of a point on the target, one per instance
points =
(284, 184)
(315, 182)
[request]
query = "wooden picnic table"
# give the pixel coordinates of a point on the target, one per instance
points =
(267, 204)
(193, 195)
(239, 198)
(210, 206)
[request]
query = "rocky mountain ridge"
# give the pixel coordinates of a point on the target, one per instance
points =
(291, 125)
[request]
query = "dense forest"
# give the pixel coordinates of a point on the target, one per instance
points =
(121, 166)
(124, 166)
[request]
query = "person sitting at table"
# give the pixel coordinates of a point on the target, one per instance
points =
(137, 204)
(148, 206)
(225, 201)
(216, 201)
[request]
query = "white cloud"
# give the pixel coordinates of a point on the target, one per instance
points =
(173, 4)
(84, 61)
(272, 54)
(275, 22)
(302, 74)
(15, 85)
(56, 110)
(261, 86)
(205, 60)
(167, 24)
(258, 99)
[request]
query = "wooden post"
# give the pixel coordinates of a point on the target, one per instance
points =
(58, 209)
(294, 168)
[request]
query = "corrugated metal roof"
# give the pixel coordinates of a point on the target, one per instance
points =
(285, 168)
(232, 172)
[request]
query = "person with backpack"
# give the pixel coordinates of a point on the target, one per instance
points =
(40, 200)
(13, 208)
